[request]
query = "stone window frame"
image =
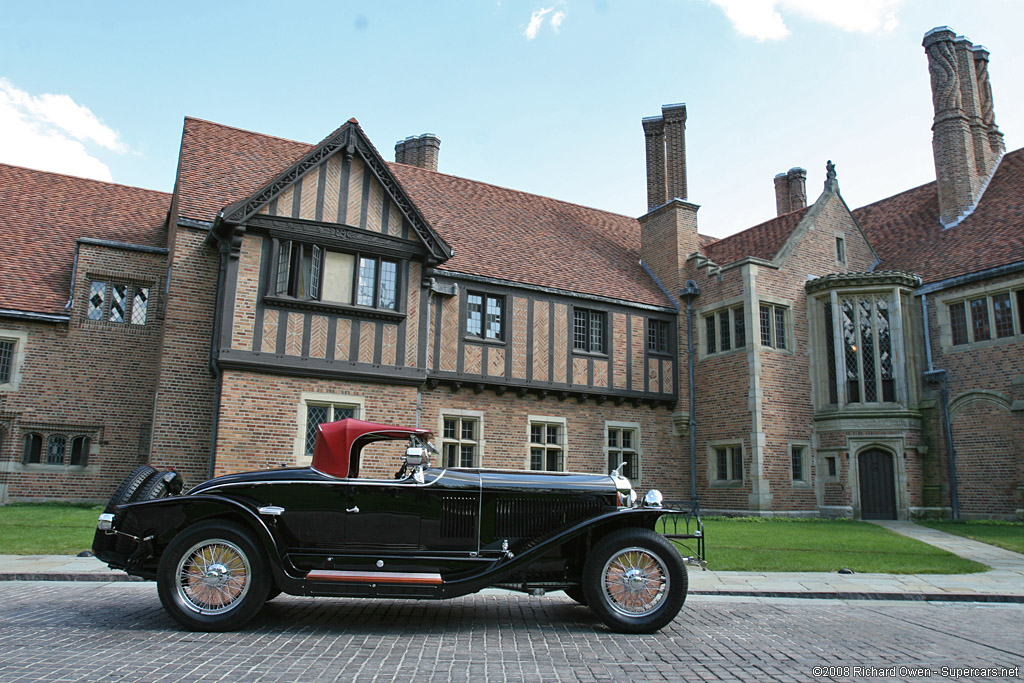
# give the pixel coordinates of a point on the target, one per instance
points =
(637, 450)
(479, 443)
(712, 463)
(806, 460)
(485, 301)
(1014, 287)
(88, 436)
(130, 315)
(775, 306)
(840, 253)
(822, 353)
(316, 398)
(716, 312)
(563, 447)
(19, 344)
(283, 289)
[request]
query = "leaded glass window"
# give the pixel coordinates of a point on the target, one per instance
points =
(728, 463)
(1002, 317)
(97, 295)
(6, 360)
(773, 326)
(958, 323)
(388, 284)
(588, 330)
(56, 446)
(460, 442)
(979, 319)
(657, 336)
(991, 317)
(33, 448)
(547, 446)
(711, 333)
(867, 344)
(80, 451)
(724, 327)
(830, 354)
(622, 447)
(796, 458)
(140, 306)
(319, 413)
(367, 281)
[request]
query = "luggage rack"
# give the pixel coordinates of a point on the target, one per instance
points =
(684, 526)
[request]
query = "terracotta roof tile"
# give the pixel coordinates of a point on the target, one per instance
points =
(907, 235)
(507, 234)
(41, 216)
(496, 232)
(761, 241)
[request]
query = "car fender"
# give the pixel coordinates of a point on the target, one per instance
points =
(165, 518)
(596, 527)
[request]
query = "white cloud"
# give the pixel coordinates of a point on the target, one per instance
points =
(761, 19)
(50, 132)
(536, 19)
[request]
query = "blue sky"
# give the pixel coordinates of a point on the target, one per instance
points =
(544, 96)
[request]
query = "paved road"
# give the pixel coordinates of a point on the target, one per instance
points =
(84, 631)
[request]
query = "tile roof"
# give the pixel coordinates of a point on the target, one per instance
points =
(496, 232)
(41, 216)
(761, 241)
(507, 234)
(905, 230)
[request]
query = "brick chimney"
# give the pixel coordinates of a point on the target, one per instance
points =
(790, 190)
(966, 142)
(668, 231)
(665, 138)
(421, 151)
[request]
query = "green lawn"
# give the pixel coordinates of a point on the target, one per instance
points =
(47, 528)
(1009, 535)
(816, 545)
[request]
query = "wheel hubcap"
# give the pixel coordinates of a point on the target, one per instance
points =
(213, 576)
(635, 582)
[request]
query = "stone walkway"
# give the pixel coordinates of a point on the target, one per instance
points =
(1003, 583)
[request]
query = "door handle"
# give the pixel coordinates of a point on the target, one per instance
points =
(354, 508)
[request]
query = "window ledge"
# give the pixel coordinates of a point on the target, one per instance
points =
(43, 467)
(724, 354)
(342, 309)
(720, 484)
(471, 339)
(589, 354)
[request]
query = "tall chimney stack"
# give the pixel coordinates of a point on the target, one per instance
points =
(966, 142)
(790, 190)
(421, 151)
(665, 140)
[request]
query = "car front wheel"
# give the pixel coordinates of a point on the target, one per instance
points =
(635, 581)
(213, 577)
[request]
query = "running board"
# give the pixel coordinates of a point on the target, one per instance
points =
(405, 578)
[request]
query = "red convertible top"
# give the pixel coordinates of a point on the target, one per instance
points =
(336, 452)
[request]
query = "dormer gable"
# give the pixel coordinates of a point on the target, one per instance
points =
(341, 181)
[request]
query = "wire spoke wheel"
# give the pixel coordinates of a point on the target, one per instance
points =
(213, 576)
(635, 581)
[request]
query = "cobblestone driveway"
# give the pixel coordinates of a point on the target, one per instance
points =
(56, 631)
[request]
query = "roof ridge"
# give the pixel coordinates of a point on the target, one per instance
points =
(251, 132)
(521, 192)
(82, 178)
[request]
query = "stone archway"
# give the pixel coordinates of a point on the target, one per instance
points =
(877, 484)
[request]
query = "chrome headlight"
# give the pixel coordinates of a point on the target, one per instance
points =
(105, 522)
(653, 499)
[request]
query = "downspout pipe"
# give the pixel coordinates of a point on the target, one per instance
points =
(691, 292)
(218, 314)
(940, 378)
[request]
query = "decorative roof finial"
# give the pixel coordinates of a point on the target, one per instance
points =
(830, 175)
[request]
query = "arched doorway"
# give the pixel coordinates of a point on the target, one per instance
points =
(877, 485)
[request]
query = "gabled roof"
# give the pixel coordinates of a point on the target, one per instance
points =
(905, 230)
(43, 214)
(495, 232)
(762, 241)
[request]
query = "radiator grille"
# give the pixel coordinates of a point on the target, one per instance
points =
(525, 517)
(458, 516)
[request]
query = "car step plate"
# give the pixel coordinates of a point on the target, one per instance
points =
(418, 578)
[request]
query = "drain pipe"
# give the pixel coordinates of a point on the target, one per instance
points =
(940, 378)
(691, 292)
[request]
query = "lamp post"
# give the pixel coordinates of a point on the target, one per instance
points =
(691, 292)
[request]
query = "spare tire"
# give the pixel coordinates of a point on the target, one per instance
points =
(125, 493)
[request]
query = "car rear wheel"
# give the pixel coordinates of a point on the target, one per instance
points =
(213, 577)
(635, 581)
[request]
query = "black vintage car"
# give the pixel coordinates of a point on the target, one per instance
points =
(219, 552)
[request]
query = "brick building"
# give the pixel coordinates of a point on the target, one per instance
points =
(845, 362)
